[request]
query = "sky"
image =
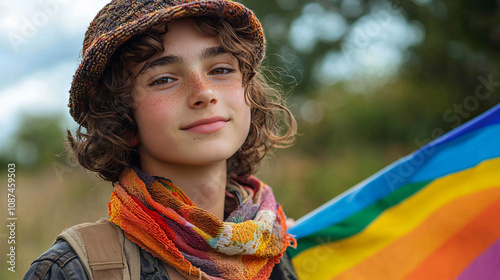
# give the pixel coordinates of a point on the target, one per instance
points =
(39, 52)
(40, 47)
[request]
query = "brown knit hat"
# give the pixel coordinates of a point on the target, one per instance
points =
(121, 20)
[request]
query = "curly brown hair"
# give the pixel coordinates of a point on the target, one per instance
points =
(102, 141)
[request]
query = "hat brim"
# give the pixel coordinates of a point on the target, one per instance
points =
(98, 53)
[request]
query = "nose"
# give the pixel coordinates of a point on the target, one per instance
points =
(202, 93)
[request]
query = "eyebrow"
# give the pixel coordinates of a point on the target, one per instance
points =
(213, 52)
(164, 60)
(174, 59)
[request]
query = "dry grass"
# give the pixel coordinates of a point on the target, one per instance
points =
(45, 205)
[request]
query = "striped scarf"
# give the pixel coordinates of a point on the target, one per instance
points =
(160, 218)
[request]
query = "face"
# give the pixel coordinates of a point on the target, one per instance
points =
(189, 102)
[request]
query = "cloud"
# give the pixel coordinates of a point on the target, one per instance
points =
(43, 92)
(40, 44)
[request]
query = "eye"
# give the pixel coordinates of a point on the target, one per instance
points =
(221, 71)
(162, 81)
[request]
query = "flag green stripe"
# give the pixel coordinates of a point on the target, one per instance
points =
(357, 222)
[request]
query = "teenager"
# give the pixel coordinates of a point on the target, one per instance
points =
(174, 112)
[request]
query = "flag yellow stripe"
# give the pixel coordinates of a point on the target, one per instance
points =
(424, 240)
(330, 259)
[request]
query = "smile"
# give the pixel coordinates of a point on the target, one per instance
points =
(208, 125)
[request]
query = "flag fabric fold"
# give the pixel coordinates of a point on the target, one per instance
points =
(434, 214)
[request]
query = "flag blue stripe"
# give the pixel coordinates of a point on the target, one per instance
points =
(452, 156)
(454, 151)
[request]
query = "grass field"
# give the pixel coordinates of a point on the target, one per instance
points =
(46, 204)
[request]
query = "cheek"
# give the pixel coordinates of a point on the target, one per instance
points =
(241, 107)
(156, 107)
(235, 94)
(162, 103)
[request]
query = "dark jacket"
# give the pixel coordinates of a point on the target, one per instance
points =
(61, 262)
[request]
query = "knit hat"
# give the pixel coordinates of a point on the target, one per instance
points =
(121, 20)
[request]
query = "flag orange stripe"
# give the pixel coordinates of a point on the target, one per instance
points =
(423, 240)
(462, 248)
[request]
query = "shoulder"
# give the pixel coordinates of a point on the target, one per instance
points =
(58, 262)
(61, 261)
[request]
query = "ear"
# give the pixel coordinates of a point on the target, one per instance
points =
(134, 141)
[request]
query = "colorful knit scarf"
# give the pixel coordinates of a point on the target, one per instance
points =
(160, 218)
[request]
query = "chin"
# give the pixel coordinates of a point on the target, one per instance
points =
(208, 159)
(214, 152)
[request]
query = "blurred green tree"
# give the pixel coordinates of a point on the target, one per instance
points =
(439, 41)
(421, 64)
(37, 142)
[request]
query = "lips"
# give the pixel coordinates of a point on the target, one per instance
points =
(208, 125)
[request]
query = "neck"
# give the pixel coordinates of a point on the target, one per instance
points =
(204, 185)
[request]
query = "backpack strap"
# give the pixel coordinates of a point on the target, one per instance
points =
(104, 250)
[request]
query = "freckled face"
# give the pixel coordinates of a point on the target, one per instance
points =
(189, 102)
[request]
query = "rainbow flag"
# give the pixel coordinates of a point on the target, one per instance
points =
(434, 214)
